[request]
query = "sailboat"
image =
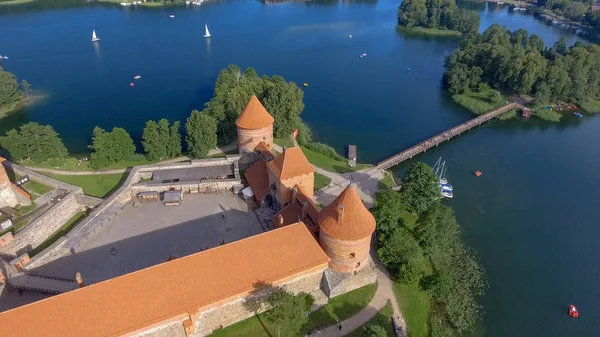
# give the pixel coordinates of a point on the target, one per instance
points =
(206, 32)
(439, 169)
(94, 37)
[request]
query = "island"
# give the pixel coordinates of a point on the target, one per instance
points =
(440, 18)
(10, 95)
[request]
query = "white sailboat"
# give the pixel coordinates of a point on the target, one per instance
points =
(206, 32)
(94, 37)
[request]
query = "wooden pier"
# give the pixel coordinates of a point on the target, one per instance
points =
(444, 136)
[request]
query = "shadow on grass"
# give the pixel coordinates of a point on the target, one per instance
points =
(119, 184)
(255, 301)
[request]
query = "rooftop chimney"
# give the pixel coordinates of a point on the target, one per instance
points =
(279, 220)
(340, 213)
(294, 194)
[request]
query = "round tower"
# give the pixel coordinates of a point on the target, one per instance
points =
(254, 125)
(346, 226)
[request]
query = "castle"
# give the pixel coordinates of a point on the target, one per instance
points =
(311, 250)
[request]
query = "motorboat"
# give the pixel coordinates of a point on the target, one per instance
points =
(573, 312)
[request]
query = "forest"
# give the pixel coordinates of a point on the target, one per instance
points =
(516, 62)
(437, 14)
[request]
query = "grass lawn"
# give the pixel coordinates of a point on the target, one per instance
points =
(430, 31)
(321, 181)
(95, 185)
(476, 102)
(383, 318)
(223, 154)
(387, 182)
(511, 114)
(284, 142)
(591, 106)
(60, 232)
(36, 188)
(409, 219)
(340, 307)
(330, 164)
(73, 164)
(415, 306)
(548, 115)
(26, 209)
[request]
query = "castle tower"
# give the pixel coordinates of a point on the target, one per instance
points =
(254, 125)
(346, 226)
(11, 195)
(289, 169)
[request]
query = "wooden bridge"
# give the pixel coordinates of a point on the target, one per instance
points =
(444, 136)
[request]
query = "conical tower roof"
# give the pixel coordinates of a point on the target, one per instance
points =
(254, 116)
(347, 218)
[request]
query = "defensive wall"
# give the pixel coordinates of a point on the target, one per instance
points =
(137, 181)
(49, 221)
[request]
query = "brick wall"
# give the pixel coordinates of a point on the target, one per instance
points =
(237, 309)
(170, 329)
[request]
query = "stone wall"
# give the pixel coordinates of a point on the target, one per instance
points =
(23, 171)
(206, 186)
(172, 328)
(239, 309)
(335, 284)
(40, 229)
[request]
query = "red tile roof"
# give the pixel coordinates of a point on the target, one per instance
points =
(356, 222)
(258, 178)
(254, 116)
(264, 151)
(290, 163)
(138, 300)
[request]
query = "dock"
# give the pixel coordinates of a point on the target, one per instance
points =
(444, 136)
(351, 155)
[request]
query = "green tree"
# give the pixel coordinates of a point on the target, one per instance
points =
(174, 146)
(494, 96)
(9, 89)
(401, 254)
(420, 188)
(34, 141)
(153, 142)
(387, 212)
(26, 88)
(289, 312)
(110, 147)
(373, 330)
(283, 101)
(201, 132)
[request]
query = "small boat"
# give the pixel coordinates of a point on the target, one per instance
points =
(478, 173)
(408, 69)
(350, 36)
(363, 54)
(131, 84)
(305, 84)
(206, 32)
(578, 114)
(171, 16)
(137, 77)
(447, 194)
(94, 37)
(573, 312)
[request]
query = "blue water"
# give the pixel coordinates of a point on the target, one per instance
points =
(531, 216)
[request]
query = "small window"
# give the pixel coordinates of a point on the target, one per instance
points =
(352, 255)
(357, 264)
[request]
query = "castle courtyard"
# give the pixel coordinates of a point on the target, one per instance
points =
(150, 233)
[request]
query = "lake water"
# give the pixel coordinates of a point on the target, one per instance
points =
(531, 216)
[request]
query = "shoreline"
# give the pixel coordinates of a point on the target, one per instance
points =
(429, 31)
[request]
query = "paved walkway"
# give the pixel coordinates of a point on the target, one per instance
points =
(366, 182)
(212, 152)
(384, 293)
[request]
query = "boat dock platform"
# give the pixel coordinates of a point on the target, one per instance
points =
(351, 155)
(444, 136)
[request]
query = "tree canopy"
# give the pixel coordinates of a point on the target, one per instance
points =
(517, 62)
(420, 188)
(201, 131)
(289, 312)
(430, 254)
(161, 140)
(110, 147)
(233, 89)
(35, 142)
(9, 89)
(373, 330)
(440, 14)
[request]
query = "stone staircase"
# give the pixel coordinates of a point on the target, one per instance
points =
(41, 283)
